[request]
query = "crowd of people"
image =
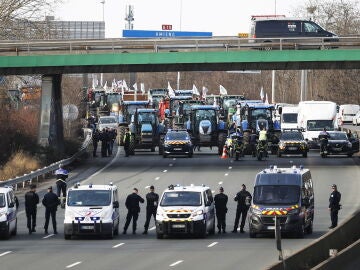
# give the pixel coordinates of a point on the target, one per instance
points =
(107, 137)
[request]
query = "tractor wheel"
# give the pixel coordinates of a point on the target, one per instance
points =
(221, 142)
(132, 145)
(121, 135)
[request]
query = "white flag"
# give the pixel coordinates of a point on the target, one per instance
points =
(204, 92)
(195, 91)
(215, 103)
(266, 99)
(105, 86)
(142, 88)
(93, 83)
(171, 91)
(223, 91)
(262, 94)
(113, 84)
(135, 86)
(126, 88)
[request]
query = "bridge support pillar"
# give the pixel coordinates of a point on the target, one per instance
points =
(51, 130)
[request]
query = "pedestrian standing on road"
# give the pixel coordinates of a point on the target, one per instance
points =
(334, 206)
(112, 135)
(152, 200)
(95, 140)
(133, 207)
(103, 139)
(243, 199)
(221, 200)
(31, 201)
(51, 202)
(61, 176)
(127, 138)
(252, 142)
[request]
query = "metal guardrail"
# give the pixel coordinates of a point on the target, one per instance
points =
(28, 178)
(126, 45)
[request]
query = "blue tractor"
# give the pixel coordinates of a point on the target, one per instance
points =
(206, 128)
(255, 116)
(145, 130)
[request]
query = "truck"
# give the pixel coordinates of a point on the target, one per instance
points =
(313, 117)
(206, 128)
(288, 117)
(346, 113)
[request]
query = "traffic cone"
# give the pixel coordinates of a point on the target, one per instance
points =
(224, 153)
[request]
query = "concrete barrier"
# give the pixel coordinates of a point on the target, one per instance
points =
(318, 251)
(347, 259)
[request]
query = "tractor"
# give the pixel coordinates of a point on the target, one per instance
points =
(174, 107)
(145, 130)
(206, 128)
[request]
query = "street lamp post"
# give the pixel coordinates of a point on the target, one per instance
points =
(103, 10)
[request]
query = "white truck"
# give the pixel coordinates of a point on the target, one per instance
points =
(346, 113)
(91, 210)
(313, 117)
(288, 117)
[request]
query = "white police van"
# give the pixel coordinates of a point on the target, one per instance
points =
(8, 212)
(185, 210)
(92, 210)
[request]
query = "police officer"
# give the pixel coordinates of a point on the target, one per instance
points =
(334, 206)
(323, 138)
(221, 200)
(243, 199)
(51, 202)
(61, 176)
(31, 201)
(152, 200)
(127, 139)
(133, 207)
(95, 140)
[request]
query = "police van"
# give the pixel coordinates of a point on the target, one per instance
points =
(187, 210)
(8, 212)
(92, 210)
(285, 194)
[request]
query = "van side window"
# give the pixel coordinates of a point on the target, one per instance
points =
(310, 27)
(209, 196)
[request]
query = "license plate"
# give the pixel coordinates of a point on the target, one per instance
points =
(271, 227)
(293, 148)
(177, 149)
(337, 149)
(178, 226)
(87, 227)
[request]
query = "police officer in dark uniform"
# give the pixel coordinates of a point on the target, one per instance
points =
(51, 202)
(127, 139)
(61, 176)
(95, 140)
(152, 200)
(334, 206)
(220, 206)
(243, 199)
(133, 207)
(31, 201)
(323, 138)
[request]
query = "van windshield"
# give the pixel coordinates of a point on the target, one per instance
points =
(89, 198)
(181, 198)
(276, 194)
(2, 200)
(290, 118)
(318, 125)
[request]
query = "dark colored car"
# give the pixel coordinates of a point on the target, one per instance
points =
(177, 142)
(292, 142)
(340, 144)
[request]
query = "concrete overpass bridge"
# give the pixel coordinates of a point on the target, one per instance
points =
(51, 59)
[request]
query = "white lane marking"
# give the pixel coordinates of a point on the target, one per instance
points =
(157, 178)
(212, 244)
(6, 252)
(147, 187)
(175, 263)
(230, 168)
(226, 174)
(48, 236)
(170, 165)
(118, 245)
(72, 265)
(152, 228)
(105, 167)
(174, 158)
(220, 182)
(164, 170)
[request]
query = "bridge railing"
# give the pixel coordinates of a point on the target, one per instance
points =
(29, 178)
(126, 45)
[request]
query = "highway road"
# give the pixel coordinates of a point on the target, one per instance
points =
(220, 251)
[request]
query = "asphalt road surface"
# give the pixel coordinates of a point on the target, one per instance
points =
(220, 251)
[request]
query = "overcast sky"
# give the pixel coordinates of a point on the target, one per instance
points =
(222, 17)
